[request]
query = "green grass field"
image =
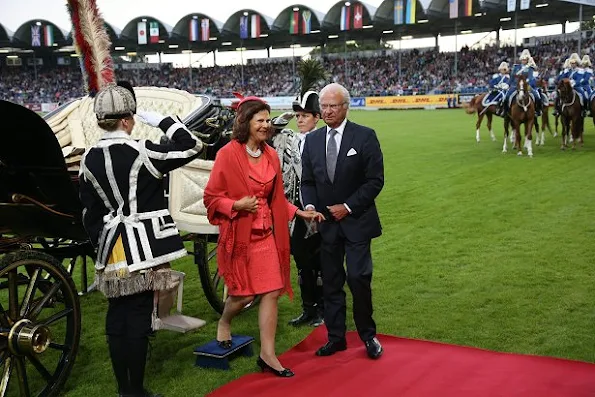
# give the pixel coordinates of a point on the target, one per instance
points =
(479, 249)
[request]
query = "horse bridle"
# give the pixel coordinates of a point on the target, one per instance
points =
(525, 106)
(565, 97)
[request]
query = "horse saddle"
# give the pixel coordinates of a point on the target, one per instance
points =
(493, 98)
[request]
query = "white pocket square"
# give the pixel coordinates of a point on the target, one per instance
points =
(351, 152)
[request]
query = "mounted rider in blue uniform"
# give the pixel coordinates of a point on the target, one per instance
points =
(585, 83)
(564, 74)
(527, 68)
(575, 76)
(499, 84)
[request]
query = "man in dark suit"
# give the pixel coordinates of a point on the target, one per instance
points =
(342, 173)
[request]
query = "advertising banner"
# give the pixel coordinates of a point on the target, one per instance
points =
(404, 102)
(358, 102)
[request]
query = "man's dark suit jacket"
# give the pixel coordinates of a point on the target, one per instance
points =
(359, 178)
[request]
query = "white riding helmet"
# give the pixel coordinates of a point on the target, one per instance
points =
(503, 67)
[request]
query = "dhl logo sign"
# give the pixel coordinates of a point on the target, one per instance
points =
(407, 101)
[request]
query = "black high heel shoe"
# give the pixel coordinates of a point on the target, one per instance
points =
(286, 373)
(225, 344)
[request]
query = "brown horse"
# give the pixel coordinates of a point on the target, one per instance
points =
(570, 114)
(545, 118)
(476, 106)
(521, 111)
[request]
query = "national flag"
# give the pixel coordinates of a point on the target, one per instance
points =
(358, 16)
(48, 35)
(454, 8)
(468, 8)
(193, 30)
(307, 22)
(410, 16)
(525, 4)
(35, 36)
(244, 27)
(141, 29)
(398, 17)
(154, 32)
(294, 23)
(511, 5)
(205, 29)
(345, 13)
(255, 26)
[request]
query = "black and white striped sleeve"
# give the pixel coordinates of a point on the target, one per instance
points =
(182, 148)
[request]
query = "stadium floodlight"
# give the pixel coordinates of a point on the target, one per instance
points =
(315, 31)
(423, 21)
(213, 38)
(75, 55)
(295, 46)
(4, 51)
(245, 13)
(530, 25)
(241, 49)
(406, 37)
(479, 14)
(173, 46)
(186, 51)
(347, 3)
(226, 43)
(505, 19)
(161, 41)
(131, 54)
(144, 20)
(369, 26)
(38, 23)
(12, 56)
(264, 35)
(466, 31)
(296, 8)
(541, 5)
(333, 36)
(120, 48)
(387, 31)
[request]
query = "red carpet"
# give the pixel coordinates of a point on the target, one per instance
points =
(415, 368)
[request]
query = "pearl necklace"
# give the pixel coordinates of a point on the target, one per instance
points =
(256, 153)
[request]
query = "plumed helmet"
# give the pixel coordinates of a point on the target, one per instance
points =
(503, 67)
(307, 103)
(566, 63)
(114, 102)
(586, 61)
(574, 58)
(531, 63)
(525, 54)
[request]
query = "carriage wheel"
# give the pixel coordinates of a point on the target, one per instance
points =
(40, 324)
(205, 253)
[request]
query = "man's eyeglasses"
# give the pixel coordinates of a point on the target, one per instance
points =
(333, 106)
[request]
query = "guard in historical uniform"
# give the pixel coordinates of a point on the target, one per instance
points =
(584, 85)
(527, 67)
(122, 192)
(305, 240)
(499, 84)
(564, 74)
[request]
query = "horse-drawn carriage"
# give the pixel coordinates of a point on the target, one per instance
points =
(43, 243)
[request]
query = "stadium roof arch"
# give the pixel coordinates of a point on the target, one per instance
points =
(112, 32)
(50, 35)
(5, 36)
(332, 19)
(129, 38)
(183, 30)
(256, 33)
(297, 24)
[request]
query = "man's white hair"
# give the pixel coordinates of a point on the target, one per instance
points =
(336, 87)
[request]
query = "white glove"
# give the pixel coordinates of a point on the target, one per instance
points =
(151, 118)
(505, 86)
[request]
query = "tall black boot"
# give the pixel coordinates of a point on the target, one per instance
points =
(307, 282)
(117, 349)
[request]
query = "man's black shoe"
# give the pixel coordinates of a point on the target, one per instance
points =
(374, 348)
(331, 348)
(317, 321)
(302, 319)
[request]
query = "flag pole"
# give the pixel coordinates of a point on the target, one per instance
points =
(456, 65)
(190, 67)
(580, 26)
(242, 60)
(515, 34)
